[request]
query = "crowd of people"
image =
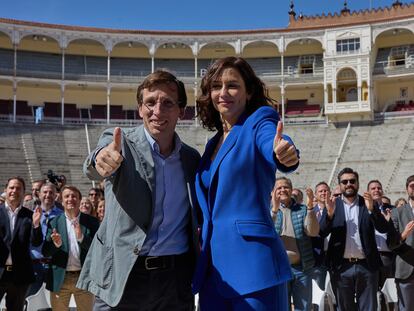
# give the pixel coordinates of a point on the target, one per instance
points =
(361, 241)
(169, 223)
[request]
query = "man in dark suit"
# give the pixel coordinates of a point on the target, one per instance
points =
(352, 256)
(67, 242)
(403, 219)
(322, 194)
(143, 254)
(19, 227)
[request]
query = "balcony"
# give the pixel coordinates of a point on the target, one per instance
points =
(347, 107)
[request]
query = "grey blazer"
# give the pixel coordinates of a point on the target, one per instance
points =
(129, 198)
(404, 263)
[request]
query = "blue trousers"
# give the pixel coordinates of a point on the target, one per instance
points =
(300, 289)
(356, 287)
(273, 298)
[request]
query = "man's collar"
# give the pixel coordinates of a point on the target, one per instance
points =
(70, 219)
(156, 148)
(354, 202)
(8, 207)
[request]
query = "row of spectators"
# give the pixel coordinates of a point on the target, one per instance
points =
(44, 238)
(360, 240)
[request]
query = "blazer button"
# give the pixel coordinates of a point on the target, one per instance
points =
(136, 250)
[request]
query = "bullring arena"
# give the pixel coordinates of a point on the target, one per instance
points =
(344, 81)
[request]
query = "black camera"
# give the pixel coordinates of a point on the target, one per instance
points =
(57, 180)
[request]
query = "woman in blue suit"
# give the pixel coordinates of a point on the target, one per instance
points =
(243, 264)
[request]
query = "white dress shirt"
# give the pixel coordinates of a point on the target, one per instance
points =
(353, 245)
(74, 263)
(12, 220)
(381, 239)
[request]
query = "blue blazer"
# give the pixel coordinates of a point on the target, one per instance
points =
(237, 233)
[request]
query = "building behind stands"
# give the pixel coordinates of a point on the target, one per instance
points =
(327, 71)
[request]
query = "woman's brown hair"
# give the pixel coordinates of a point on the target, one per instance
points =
(259, 94)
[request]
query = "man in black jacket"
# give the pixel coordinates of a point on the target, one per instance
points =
(352, 255)
(18, 227)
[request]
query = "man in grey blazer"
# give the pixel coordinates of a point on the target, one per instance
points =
(143, 254)
(403, 219)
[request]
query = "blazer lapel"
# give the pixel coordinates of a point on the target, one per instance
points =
(224, 149)
(5, 217)
(17, 224)
(63, 231)
(143, 150)
(362, 210)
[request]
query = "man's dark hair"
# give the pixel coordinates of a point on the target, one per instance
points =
(320, 184)
(347, 170)
(373, 181)
(386, 198)
(162, 77)
(409, 180)
(97, 190)
(72, 188)
(20, 179)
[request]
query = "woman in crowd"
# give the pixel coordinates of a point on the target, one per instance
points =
(100, 211)
(400, 202)
(86, 206)
(242, 265)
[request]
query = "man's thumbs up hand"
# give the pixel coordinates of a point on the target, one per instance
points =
(285, 152)
(109, 159)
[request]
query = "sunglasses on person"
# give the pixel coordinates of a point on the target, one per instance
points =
(350, 181)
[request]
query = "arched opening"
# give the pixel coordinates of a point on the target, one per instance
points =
(269, 62)
(347, 88)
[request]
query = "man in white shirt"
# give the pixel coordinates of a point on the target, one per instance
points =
(67, 242)
(18, 227)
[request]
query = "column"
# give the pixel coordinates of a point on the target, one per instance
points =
(108, 89)
(195, 87)
(282, 87)
(14, 82)
(282, 92)
(62, 89)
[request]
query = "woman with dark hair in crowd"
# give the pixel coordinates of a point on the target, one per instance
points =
(242, 265)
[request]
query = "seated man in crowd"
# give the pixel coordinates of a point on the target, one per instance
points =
(67, 242)
(296, 224)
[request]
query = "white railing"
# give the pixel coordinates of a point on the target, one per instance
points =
(346, 107)
(338, 157)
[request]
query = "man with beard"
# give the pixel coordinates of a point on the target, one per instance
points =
(403, 219)
(352, 255)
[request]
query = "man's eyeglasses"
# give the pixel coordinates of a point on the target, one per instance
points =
(346, 181)
(165, 105)
(93, 194)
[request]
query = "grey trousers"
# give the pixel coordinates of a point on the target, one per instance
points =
(405, 291)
